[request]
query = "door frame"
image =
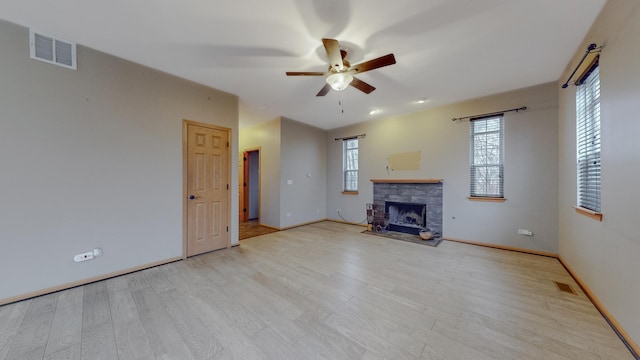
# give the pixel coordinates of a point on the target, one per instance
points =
(185, 169)
(245, 186)
(259, 150)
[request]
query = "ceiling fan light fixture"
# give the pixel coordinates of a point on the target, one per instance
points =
(339, 81)
(339, 75)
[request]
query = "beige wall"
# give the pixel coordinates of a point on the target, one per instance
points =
(606, 254)
(266, 136)
(530, 167)
(293, 151)
(92, 158)
(304, 157)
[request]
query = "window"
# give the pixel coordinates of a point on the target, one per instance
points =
(487, 166)
(350, 161)
(588, 140)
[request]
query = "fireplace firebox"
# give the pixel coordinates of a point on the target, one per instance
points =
(406, 217)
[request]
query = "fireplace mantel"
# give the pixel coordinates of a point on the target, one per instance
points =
(406, 181)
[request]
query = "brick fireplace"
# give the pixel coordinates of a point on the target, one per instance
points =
(411, 204)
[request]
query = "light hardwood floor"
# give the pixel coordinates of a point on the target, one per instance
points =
(321, 291)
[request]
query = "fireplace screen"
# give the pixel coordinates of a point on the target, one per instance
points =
(406, 217)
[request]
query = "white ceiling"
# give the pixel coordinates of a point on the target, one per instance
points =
(446, 50)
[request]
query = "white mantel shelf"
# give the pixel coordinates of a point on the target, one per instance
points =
(407, 181)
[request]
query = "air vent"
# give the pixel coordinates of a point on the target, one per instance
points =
(52, 50)
(565, 288)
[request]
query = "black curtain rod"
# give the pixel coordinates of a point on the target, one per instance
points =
(591, 48)
(489, 114)
(350, 137)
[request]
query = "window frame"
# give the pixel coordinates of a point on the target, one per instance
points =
(588, 143)
(347, 165)
(474, 165)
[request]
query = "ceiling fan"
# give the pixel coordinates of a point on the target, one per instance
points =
(340, 73)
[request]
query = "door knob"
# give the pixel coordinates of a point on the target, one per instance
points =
(191, 197)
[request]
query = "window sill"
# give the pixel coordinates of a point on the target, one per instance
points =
(486, 199)
(349, 193)
(588, 213)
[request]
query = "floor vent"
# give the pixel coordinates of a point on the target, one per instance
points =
(565, 288)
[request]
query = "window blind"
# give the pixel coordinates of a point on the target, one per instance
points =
(487, 158)
(588, 141)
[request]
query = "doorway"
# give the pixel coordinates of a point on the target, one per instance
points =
(249, 180)
(249, 199)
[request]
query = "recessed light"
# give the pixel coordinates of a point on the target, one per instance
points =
(422, 101)
(372, 112)
(262, 107)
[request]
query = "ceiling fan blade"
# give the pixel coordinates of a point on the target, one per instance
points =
(374, 64)
(305, 73)
(333, 53)
(325, 89)
(362, 86)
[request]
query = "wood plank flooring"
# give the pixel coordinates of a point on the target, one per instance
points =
(322, 291)
(253, 228)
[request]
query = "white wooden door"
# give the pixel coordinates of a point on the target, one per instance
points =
(207, 188)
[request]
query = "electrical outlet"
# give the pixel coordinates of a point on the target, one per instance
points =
(83, 257)
(88, 255)
(525, 232)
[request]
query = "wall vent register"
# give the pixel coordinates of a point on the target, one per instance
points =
(52, 50)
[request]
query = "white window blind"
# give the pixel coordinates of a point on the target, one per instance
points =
(486, 154)
(350, 161)
(588, 141)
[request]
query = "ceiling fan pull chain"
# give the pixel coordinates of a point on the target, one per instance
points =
(340, 104)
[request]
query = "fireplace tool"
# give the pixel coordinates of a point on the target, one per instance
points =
(369, 216)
